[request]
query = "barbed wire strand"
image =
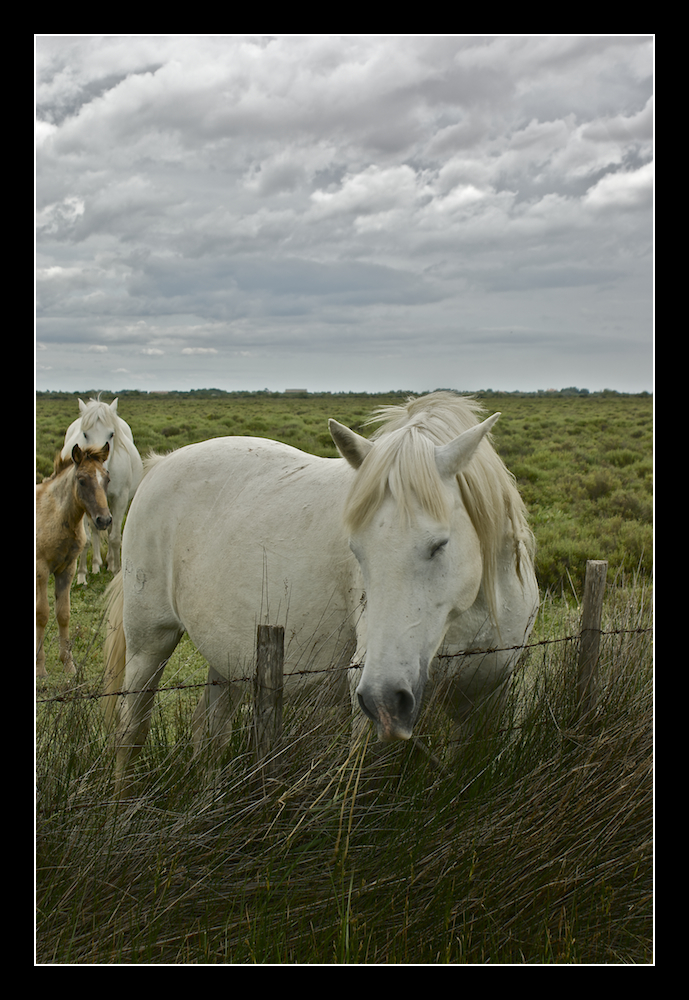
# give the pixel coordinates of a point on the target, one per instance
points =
(96, 695)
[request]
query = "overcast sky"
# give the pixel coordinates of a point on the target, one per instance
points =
(344, 212)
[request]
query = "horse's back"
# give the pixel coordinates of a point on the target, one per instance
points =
(233, 532)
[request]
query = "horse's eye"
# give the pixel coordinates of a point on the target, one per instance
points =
(438, 548)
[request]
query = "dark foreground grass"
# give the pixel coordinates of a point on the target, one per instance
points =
(530, 846)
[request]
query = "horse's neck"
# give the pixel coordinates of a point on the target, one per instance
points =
(65, 493)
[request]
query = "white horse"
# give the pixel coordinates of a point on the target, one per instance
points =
(99, 424)
(414, 539)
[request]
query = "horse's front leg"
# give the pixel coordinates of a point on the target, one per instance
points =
(42, 612)
(83, 567)
(118, 508)
(114, 537)
(63, 582)
(96, 558)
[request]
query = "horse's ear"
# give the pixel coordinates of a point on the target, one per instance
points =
(77, 454)
(113, 405)
(82, 406)
(350, 445)
(453, 457)
(104, 452)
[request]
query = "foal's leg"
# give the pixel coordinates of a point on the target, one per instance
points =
(42, 612)
(63, 582)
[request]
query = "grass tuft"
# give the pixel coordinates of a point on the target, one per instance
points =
(530, 845)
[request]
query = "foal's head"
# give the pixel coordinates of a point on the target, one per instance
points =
(91, 480)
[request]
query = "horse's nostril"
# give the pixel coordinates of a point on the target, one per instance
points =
(397, 704)
(365, 709)
(405, 704)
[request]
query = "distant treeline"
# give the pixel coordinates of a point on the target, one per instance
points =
(403, 393)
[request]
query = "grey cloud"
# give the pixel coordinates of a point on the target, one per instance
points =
(223, 192)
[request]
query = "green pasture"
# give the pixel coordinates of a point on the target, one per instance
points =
(584, 464)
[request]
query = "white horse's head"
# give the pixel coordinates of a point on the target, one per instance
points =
(420, 556)
(97, 425)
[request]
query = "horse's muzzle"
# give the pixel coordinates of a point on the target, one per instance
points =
(103, 522)
(393, 710)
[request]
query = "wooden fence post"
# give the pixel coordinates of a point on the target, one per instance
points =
(270, 653)
(592, 611)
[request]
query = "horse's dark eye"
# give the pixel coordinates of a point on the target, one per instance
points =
(438, 548)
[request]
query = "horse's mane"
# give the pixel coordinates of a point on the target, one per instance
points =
(61, 464)
(402, 464)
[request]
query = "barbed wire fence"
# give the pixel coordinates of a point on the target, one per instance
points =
(184, 686)
(268, 678)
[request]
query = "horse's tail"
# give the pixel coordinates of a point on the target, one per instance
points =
(115, 649)
(152, 459)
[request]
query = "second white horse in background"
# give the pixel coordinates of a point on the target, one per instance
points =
(98, 425)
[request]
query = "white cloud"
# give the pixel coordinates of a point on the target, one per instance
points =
(631, 189)
(372, 190)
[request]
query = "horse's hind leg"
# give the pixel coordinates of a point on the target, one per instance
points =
(144, 669)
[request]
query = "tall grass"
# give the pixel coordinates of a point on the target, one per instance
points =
(530, 845)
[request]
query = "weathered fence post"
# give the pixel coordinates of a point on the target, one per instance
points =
(270, 651)
(592, 610)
